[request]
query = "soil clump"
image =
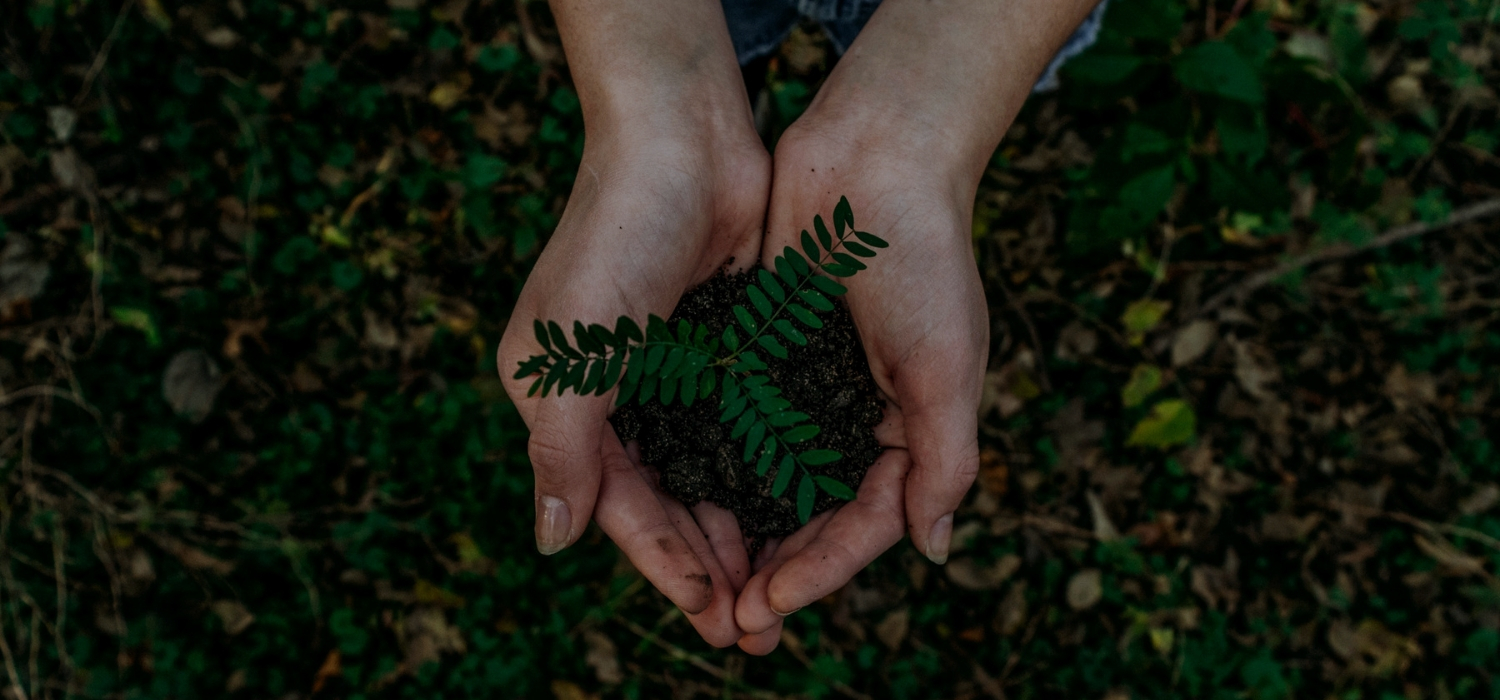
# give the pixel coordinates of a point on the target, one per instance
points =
(828, 379)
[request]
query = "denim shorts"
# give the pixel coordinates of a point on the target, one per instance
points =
(759, 26)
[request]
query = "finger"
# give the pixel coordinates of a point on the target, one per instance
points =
(941, 416)
(716, 622)
(891, 430)
(631, 515)
(564, 447)
(723, 532)
(762, 643)
(858, 533)
(753, 610)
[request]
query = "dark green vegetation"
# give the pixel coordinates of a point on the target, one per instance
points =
(257, 256)
(688, 366)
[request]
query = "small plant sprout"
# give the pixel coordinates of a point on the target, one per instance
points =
(685, 364)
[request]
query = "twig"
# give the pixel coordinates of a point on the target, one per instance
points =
(10, 659)
(103, 55)
(1462, 215)
(1056, 527)
(60, 580)
(677, 653)
(1438, 528)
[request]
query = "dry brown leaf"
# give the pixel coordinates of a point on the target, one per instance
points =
(1085, 589)
(568, 690)
(332, 667)
(1482, 499)
(1449, 558)
(379, 332)
(1104, 529)
(425, 635)
(194, 558)
(23, 272)
(1192, 341)
(603, 658)
(221, 38)
(966, 573)
(233, 614)
(190, 383)
(1255, 368)
(1406, 390)
(1288, 527)
(239, 330)
(1076, 341)
(994, 474)
(1012, 614)
(893, 628)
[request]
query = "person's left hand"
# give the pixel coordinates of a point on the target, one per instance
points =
(921, 314)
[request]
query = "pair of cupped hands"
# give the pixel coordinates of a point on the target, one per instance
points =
(662, 204)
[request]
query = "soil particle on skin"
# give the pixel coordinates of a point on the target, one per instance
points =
(828, 379)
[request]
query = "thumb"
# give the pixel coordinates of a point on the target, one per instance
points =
(564, 450)
(940, 410)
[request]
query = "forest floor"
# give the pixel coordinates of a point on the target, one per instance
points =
(1239, 428)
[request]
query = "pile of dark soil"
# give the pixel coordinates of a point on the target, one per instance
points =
(828, 379)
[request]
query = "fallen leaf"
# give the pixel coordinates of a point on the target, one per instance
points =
(1144, 380)
(893, 628)
(379, 333)
(1255, 369)
(233, 614)
(241, 329)
(332, 668)
(190, 383)
(1103, 528)
(1171, 423)
(994, 474)
(1449, 558)
(1482, 499)
(221, 38)
(1085, 589)
(1162, 639)
(194, 558)
(603, 658)
(568, 690)
(1405, 91)
(23, 272)
(966, 573)
(430, 593)
(1406, 390)
(425, 635)
(1012, 615)
(1142, 316)
(61, 119)
(1076, 341)
(445, 95)
(1287, 527)
(69, 171)
(1192, 341)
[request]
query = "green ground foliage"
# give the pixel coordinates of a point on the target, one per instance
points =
(1238, 441)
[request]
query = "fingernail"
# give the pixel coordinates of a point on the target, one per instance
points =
(783, 614)
(553, 521)
(939, 539)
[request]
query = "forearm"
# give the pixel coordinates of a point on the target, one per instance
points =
(651, 64)
(946, 77)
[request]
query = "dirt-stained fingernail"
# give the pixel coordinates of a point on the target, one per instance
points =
(553, 524)
(939, 539)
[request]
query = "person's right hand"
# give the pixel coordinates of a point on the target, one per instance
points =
(659, 206)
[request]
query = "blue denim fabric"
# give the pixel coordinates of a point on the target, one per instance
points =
(759, 26)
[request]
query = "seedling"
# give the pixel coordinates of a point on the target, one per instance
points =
(686, 365)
